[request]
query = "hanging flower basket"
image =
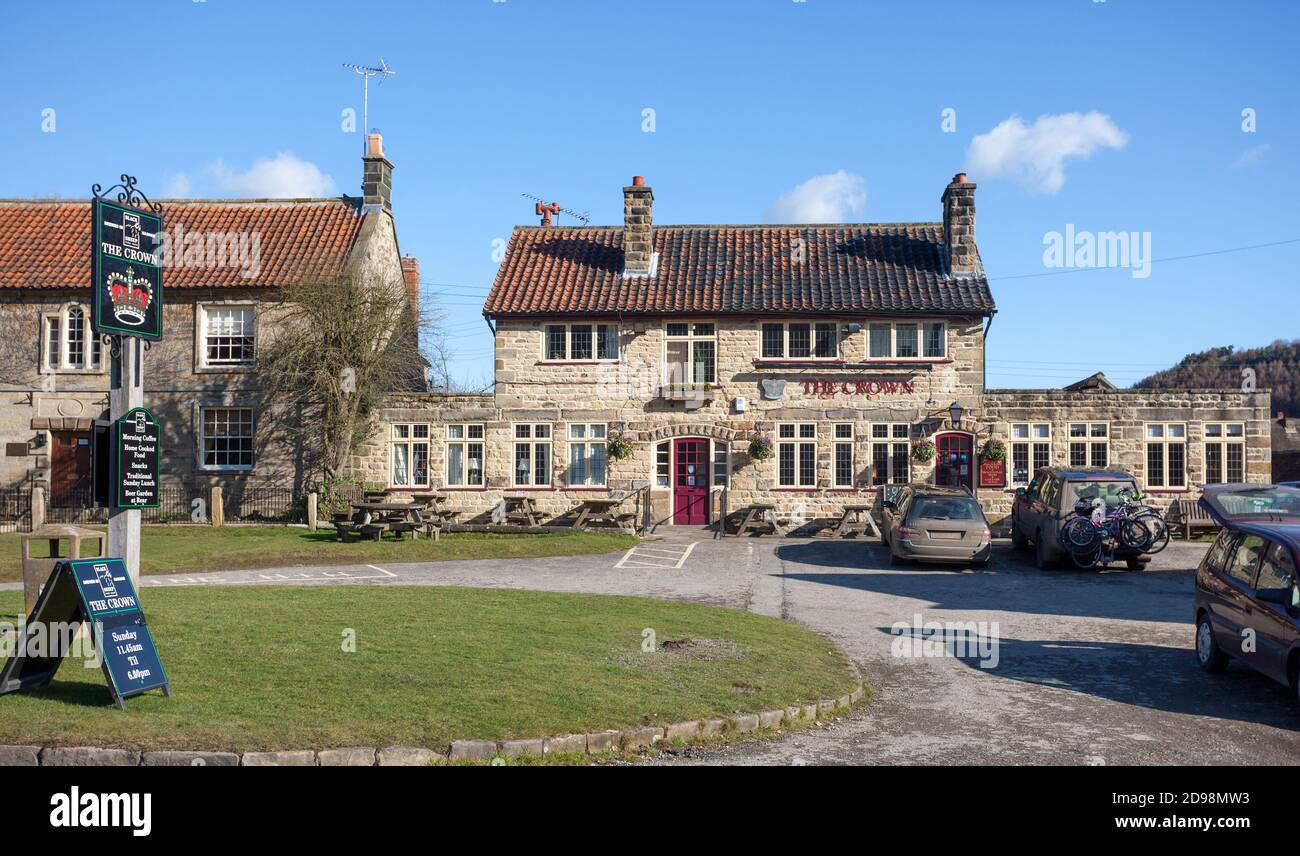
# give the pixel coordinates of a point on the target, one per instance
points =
(760, 448)
(619, 448)
(923, 451)
(993, 450)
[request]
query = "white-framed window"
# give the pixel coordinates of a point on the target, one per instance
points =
(891, 453)
(663, 464)
(70, 344)
(1166, 447)
(721, 464)
(587, 454)
(690, 353)
(1089, 444)
(408, 455)
(580, 342)
(227, 335)
(796, 454)
(532, 464)
(1031, 450)
(907, 340)
(1225, 452)
(464, 455)
(227, 438)
(843, 462)
(799, 340)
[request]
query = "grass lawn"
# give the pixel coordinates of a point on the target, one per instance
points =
(169, 549)
(264, 668)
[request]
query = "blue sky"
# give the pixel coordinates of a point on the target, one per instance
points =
(751, 100)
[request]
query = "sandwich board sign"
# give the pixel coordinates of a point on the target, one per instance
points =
(134, 460)
(98, 592)
(126, 270)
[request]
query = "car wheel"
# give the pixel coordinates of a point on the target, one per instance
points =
(1018, 539)
(1135, 564)
(1042, 560)
(979, 566)
(1208, 654)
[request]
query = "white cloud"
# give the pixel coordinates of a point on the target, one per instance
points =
(1252, 155)
(177, 186)
(834, 198)
(1035, 155)
(280, 177)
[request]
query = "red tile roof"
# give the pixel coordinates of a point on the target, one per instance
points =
(46, 244)
(897, 268)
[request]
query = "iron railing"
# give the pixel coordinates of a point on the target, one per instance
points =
(16, 508)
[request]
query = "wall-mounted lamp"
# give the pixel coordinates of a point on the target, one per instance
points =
(955, 413)
(852, 328)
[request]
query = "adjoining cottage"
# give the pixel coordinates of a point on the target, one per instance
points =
(227, 260)
(854, 352)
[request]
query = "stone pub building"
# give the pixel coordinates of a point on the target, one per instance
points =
(843, 347)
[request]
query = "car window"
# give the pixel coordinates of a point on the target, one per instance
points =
(1050, 492)
(1219, 554)
(1112, 492)
(945, 508)
(1238, 503)
(1276, 571)
(1245, 557)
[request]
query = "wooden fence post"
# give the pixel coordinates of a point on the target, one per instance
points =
(38, 507)
(311, 511)
(217, 506)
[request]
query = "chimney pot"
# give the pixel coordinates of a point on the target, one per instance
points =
(959, 178)
(638, 181)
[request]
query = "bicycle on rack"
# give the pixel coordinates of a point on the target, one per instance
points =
(1093, 536)
(1150, 517)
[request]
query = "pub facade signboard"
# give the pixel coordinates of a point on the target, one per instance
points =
(126, 266)
(133, 480)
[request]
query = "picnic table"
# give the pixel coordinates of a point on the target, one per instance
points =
(600, 510)
(520, 509)
(376, 518)
(759, 516)
(856, 518)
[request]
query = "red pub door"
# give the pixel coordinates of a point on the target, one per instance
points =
(691, 482)
(955, 461)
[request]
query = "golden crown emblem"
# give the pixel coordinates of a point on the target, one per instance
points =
(130, 295)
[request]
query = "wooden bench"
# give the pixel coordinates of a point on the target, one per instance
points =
(1186, 515)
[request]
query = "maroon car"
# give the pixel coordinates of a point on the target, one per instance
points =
(1247, 604)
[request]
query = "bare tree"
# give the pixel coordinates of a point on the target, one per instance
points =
(339, 346)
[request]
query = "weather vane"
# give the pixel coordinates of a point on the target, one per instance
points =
(367, 72)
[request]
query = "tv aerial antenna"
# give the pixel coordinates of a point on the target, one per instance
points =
(547, 209)
(368, 71)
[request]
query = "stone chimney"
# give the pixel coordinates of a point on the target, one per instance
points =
(638, 228)
(411, 276)
(959, 225)
(376, 177)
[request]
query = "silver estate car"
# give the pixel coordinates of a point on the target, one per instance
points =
(926, 523)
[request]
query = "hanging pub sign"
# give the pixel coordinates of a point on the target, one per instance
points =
(133, 479)
(126, 266)
(98, 592)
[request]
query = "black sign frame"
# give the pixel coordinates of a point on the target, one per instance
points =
(66, 600)
(136, 223)
(117, 448)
